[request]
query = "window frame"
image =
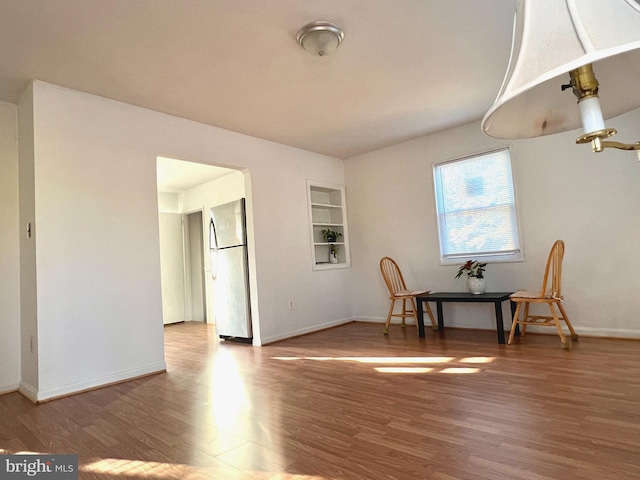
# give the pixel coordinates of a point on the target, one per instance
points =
(516, 255)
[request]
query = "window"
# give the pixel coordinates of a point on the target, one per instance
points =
(476, 209)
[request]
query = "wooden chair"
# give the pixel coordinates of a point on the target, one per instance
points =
(550, 293)
(398, 291)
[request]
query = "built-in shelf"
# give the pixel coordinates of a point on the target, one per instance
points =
(327, 210)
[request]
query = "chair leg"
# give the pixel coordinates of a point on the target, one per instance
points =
(386, 325)
(525, 317)
(514, 322)
(405, 312)
(574, 335)
(556, 320)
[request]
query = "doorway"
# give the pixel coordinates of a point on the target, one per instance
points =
(186, 193)
(195, 296)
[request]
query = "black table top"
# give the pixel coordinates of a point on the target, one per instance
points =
(465, 296)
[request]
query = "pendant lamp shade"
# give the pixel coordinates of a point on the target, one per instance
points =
(552, 38)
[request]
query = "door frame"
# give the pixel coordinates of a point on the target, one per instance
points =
(186, 255)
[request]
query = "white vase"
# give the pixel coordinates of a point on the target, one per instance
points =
(476, 285)
(333, 258)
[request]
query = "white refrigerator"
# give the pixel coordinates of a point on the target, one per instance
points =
(230, 272)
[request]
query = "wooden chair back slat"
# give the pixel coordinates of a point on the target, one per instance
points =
(552, 280)
(394, 281)
(551, 295)
(392, 276)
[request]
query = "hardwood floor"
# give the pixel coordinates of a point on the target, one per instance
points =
(350, 403)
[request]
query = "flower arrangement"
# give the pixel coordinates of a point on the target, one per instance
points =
(472, 268)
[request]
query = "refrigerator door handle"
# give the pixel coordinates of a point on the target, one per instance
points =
(213, 249)
(213, 238)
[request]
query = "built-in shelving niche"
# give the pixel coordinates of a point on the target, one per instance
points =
(327, 210)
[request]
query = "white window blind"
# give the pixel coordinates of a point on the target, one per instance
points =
(476, 208)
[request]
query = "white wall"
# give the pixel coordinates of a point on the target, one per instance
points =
(168, 202)
(99, 314)
(222, 190)
(27, 276)
(171, 257)
(172, 267)
(97, 249)
(563, 191)
(9, 251)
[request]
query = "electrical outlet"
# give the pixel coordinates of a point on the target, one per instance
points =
(290, 304)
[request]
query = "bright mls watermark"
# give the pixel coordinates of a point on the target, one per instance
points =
(51, 467)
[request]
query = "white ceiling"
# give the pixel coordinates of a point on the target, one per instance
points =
(176, 176)
(406, 68)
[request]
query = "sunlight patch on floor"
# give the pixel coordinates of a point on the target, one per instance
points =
(116, 467)
(136, 468)
(161, 471)
(477, 360)
(228, 397)
(458, 370)
(407, 360)
(374, 359)
(403, 369)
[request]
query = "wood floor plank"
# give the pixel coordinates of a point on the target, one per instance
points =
(351, 404)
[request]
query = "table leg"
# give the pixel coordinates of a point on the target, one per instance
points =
(420, 315)
(499, 322)
(440, 317)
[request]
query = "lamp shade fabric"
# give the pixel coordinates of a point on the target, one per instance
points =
(553, 37)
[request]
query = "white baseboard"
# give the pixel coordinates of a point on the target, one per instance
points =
(304, 331)
(394, 320)
(9, 388)
(592, 332)
(586, 331)
(69, 389)
(29, 391)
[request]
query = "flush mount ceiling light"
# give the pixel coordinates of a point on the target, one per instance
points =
(557, 45)
(320, 38)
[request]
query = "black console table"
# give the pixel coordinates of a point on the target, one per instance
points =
(440, 297)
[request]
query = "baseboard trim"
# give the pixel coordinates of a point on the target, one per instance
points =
(29, 391)
(40, 396)
(14, 387)
(305, 331)
(582, 331)
(618, 333)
